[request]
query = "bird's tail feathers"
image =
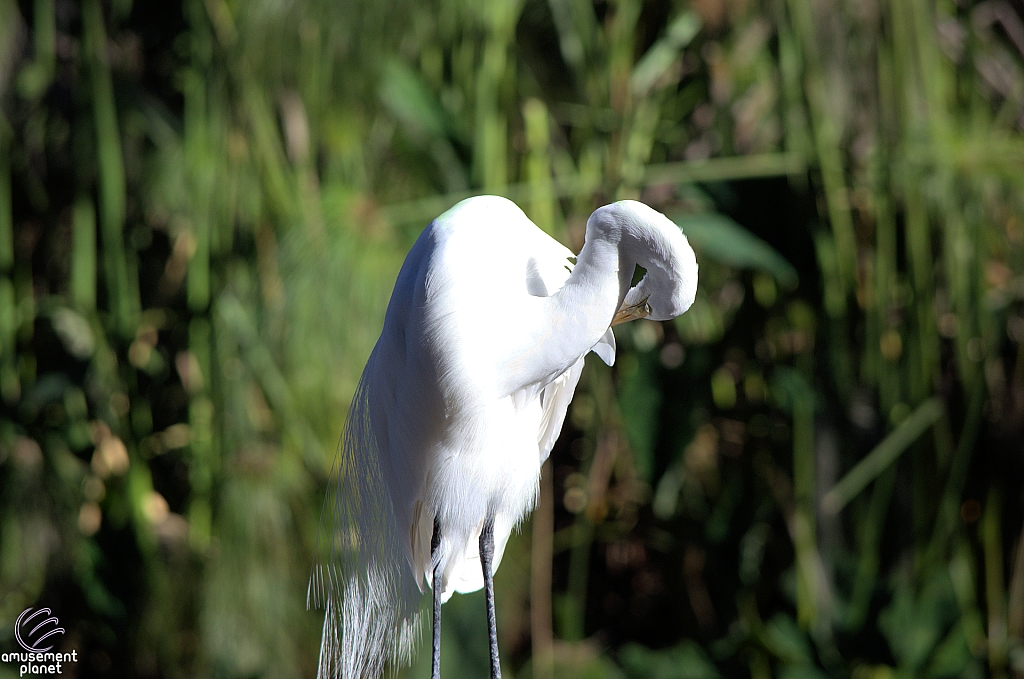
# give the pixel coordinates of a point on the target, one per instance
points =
(360, 572)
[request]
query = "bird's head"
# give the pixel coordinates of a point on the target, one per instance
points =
(653, 241)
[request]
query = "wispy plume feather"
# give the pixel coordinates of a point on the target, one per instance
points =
(360, 570)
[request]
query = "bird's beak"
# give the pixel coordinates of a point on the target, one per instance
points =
(632, 313)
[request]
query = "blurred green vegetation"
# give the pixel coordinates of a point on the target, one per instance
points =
(817, 471)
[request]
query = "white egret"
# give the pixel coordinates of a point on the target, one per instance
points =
(459, 405)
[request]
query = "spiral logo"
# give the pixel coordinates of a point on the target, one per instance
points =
(32, 629)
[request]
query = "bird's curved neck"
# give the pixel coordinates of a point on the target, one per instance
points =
(570, 322)
(595, 289)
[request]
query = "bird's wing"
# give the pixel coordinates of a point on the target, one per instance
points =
(554, 403)
(555, 398)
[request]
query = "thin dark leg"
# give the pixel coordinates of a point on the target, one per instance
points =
(486, 557)
(435, 543)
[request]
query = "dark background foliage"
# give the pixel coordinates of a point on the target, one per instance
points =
(816, 471)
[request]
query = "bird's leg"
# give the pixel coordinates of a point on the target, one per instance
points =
(435, 544)
(486, 557)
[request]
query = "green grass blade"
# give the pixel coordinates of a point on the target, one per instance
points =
(883, 455)
(6, 208)
(663, 53)
(122, 293)
(722, 239)
(83, 255)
